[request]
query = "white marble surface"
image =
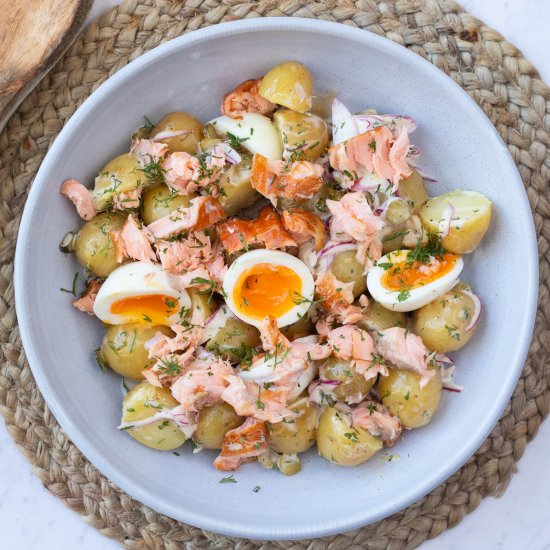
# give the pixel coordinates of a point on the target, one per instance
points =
(32, 519)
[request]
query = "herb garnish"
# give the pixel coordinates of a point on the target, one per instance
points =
(100, 361)
(73, 288)
(235, 142)
(228, 479)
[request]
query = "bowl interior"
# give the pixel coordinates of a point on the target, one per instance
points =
(460, 148)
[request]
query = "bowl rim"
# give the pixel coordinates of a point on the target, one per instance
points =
(241, 528)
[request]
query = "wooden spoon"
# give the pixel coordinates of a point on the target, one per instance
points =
(33, 36)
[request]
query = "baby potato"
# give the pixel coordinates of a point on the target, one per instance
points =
(93, 247)
(347, 269)
(413, 191)
(299, 329)
(304, 135)
(296, 435)
(143, 401)
(442, 323)
(236, 192)
(377, 317)
(160, 201)
(342, 444)
(213, 423)
(290, 85)
(176, 122)
(353, 387)
(123, 347)
(399, 212)
(471, 215)
(402, 395)
(120, 175)
(234, 340)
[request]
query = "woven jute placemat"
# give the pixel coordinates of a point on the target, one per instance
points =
(491, 70)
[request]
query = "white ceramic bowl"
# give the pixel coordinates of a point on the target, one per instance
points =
(459, 147)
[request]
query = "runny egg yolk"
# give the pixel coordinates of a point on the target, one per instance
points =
(154, 308)
(415, 274)
(267, 289)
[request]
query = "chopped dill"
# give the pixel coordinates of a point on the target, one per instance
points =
(73, 288)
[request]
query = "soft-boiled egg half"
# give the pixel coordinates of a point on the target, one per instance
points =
(139, 292)
(403, 285)
(268, 282)
(257, 132)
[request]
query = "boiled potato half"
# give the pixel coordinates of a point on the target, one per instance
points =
(289, 84)
(213, 423)
(179, 122)
(341, 443)
(234, 340)
(93, 247)
(398, 212)
(303, 135)
(353, 387)
(123, 347)
(299, 329)
(377, 317)
(401, 393)
(160, 201)
(442, 323)
(236, 191)
(120, 175)
(296, 435)
(347, 269)
(413, 191)
(471, 215)
(143, 401)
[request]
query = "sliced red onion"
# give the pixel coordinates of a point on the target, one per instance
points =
(343, 123)
(308, 255)
(327, 255)
(211, 318)
(477, 309)
(215, 322)
(366, 123)
(425, 176)
(170, 134)
(413, 153)
(445, 221)
(230, 154)
(333, 244)
(447, 375)
(369, 181)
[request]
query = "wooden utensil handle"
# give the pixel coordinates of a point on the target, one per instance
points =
(33, 35)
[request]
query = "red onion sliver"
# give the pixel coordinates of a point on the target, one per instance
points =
(366, 123)
(447, 374)
(477, 309)
(170, 134)
(231, 155)
(211, 318)
(326, 256)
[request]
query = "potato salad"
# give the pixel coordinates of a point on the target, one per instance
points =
(273, 279)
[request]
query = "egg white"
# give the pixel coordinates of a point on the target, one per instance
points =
(274, 257)
(131, 280)
(418, 297)
(258, 131)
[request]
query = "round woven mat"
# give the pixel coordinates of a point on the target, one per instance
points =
(494, 73)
